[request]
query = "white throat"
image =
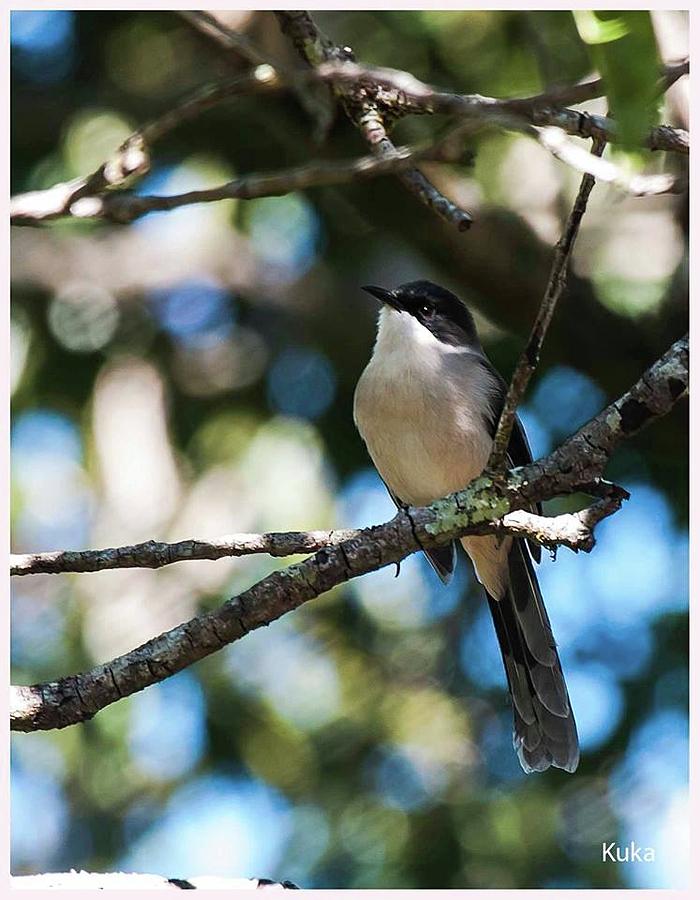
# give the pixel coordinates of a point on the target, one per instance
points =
(401, 333)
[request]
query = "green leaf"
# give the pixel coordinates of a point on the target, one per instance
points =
(623, 48)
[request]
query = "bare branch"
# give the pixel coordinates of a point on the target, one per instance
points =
(210, 26)
(601, 169)
(570, 95)
(124, 207)
(403, 93)
(529, 358)
(132, 158)
(314, 98)
(572, 530)
(156, 554)
(574, 466)
(588, 125)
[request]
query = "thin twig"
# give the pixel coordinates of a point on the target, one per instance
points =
(573, 466)
(314, 98)
(403, 94)
(124, 207)
(210, 26)
(571, 95)
(132, 157)
(579, 158)
(530, 356)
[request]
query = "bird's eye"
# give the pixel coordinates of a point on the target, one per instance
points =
(426, 309)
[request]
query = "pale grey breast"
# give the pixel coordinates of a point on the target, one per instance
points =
(418, 408)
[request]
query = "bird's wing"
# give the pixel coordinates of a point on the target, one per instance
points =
(519, 452)
(442, 559)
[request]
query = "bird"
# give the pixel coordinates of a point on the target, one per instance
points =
(427, 406)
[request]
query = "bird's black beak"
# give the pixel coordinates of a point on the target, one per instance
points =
(383, 295)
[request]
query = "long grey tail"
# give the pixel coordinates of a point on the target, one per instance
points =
(544, 731)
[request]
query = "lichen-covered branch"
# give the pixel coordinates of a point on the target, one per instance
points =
(575, 466)
(572, 530)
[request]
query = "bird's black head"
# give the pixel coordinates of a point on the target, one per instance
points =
(436, 308)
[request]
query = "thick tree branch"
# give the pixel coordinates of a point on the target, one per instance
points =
(529, 358)
(576, 465)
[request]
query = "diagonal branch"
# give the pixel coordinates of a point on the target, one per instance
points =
(132, 158)
(124, 207)
(313, 97)
(529, 358)
(210, 26)
(571, 95)
(574, 466)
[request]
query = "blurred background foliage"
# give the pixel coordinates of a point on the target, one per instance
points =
(192, 375)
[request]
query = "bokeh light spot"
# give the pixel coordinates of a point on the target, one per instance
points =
(215, 825)
(285, 232)
(597, 702)
(91, 137)
(166, 738)
(565, 399)
(301, 382)
(195, 311)
(83, 317)
(43, 43)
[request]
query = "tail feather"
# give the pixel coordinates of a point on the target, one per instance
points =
(443, 560)
(529, 606)
(544, 731)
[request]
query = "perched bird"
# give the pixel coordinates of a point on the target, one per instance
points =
(427, 406)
